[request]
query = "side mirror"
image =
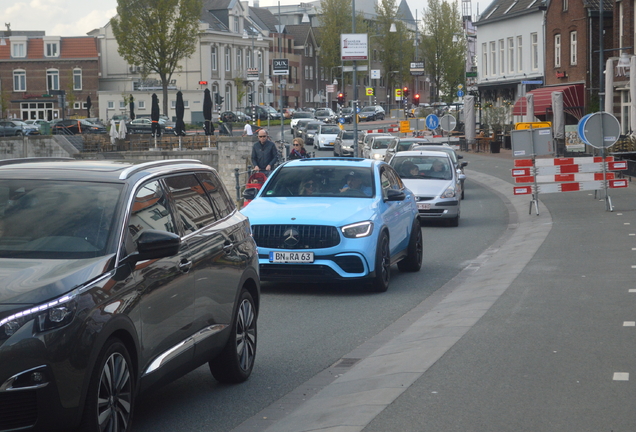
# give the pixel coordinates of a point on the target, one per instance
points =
(460, 156)
(154, 244)
(250, 193)
(395, 195)
(463, 164)
(462, 177)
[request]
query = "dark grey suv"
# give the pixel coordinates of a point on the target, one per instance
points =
(116, 278)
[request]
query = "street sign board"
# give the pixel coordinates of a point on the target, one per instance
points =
(600, 130)
(405, 126)
(417, 68)
(398, 94)
(532, 82)
(331, 88)
(375, 73)
(369, 91)
(447, 122)
(280, 66)
(354, 46)
(529, 142)
(252, 74)
(432, 121)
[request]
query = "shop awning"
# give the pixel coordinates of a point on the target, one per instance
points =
(573, 101)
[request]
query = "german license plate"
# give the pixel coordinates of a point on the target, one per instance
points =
(291, 257)
(423, 206)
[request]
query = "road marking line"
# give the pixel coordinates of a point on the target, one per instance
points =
(632, 290)
(619, 214)
(621, 376)
(626, 223)
(629, 324)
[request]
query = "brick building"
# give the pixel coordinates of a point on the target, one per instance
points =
(35, 69)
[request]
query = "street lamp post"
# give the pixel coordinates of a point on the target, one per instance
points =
(258, 37)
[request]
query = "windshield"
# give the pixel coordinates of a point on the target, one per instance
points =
(381, 143)
(368, 109)
(312, 127)
(323, 181)
(329, 130)
(300, 115)
(347, 136)
(50, 219)
(422, 167)
(322, 113)
(347, 110)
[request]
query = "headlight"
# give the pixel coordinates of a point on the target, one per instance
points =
(360, 229)
(48, 316)
(378, 156)
(449, 192)
(310, 135)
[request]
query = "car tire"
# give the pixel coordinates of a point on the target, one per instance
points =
(454, 222)
(18, 133)
(116, 414)
(413, 260)
(380, 282)
(334, 153)
(234, 364)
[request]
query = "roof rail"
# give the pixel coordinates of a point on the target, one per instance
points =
(140, 167)
(34, 159)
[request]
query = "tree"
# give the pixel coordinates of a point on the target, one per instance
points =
(444, 59)
(5, 103)
(157, 34)
(395, 53)
(336, 19)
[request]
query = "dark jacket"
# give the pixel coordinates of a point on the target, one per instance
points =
(264, 154)
(294, 154)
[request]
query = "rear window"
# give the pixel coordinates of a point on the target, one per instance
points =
(301, 115)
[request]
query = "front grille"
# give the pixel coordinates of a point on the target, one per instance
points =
(293, 237)
(424, 198)
(18, 409)
(432, 212)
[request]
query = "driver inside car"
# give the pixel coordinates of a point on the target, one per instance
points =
(354, 185)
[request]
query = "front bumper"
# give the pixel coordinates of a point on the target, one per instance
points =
(439, 209)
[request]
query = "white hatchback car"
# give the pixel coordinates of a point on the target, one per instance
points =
(325, 136)
(376, 147)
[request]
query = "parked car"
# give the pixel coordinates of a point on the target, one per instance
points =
(459, 166)
(273, 114)
(325, 115)
(310, 131)
(76, 126)
(376, 147)
(367, 222)
(299, 127)
(143, 125)
(402, 144)
(326, 136)
(17, 128)
(36, 123)
(434, 181)
(343, 145)
(371, 113)
(241, 116)
(129, 275)
(119, 117)
(298, 115)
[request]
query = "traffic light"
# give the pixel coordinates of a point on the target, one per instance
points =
(416, 100)
(216, 99)
(405, 92)
(249, 98)
(341, 98)
(221, 99)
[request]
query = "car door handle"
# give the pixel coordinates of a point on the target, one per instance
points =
(185, 266)
(227, 247)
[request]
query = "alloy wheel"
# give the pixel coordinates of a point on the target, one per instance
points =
(114, 399)
(246, 335)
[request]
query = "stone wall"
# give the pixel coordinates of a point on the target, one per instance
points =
(229, 154)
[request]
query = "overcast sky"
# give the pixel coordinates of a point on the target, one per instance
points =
(78, 17)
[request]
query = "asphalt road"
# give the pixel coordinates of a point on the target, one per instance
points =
(305, 329)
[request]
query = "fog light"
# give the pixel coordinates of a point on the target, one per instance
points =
(37, 377)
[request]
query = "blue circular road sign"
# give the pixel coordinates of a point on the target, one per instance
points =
(341, 120)
(460, 93)
(432, 121)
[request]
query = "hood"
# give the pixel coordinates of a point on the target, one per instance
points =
(428, 187)
(32, 281)
(309, 210)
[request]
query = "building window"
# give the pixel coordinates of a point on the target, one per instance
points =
(111, 105)
(502, 63)
(248, 58)
(306, 95)
(51, 49)
(484, 62)
(214, 58)
(535, 51)
(186, 104)
(520, 53)
(53, 79)
(19, 80)
(236, 25)
(122, 105)
(311, 72)
(239, 59)
(227, 101)
(511, 55)
(260, 61)
(573, 45)
(141, 104)
(557, 50)
(77, 79)
(493, 58)
(77, 105)
(306, 72)
(565, 5)
(18, 49)
(228, 60)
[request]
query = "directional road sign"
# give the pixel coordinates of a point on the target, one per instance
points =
(432, 121)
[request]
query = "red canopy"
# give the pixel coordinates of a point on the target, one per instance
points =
(573, 101)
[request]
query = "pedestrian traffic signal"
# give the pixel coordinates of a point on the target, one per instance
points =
(405, 92)
(341, 98)
(416, 100)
